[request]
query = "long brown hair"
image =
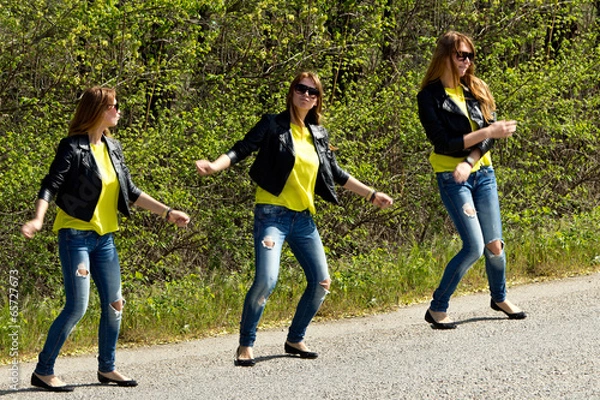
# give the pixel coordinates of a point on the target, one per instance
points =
(90, 110)
(314, 115)
(446, 48)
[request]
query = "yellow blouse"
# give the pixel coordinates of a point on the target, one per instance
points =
(105, 218)
(299, 191)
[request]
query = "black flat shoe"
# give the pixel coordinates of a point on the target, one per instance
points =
(127, 383)
(303, 354)
(243, 362)
(438, 325)
(518, 315)
(37, 382)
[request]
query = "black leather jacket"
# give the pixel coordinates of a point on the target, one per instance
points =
(272, 137)
(74, 178)
(445, 124)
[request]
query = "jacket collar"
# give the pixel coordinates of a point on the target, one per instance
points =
(83, 141)
(284, 119)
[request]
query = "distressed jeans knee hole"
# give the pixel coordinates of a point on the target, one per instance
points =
(82, 273)
(117, 308)
(268, 242)
(325, 284)
(469, 210)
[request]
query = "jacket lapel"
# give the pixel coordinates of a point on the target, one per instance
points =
(473, 108)
(284, 132)
(87, 159)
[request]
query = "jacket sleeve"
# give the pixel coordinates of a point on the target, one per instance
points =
(133, 192)
(487, 144)
(330, 172)
(340, 176)
(59, 170)
(435, 129)
(251, 141)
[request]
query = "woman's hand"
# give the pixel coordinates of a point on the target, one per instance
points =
(382, 200)
(205, 167)
(179, 218)
(30, 228)
(461, 172)
(502, 129)
(379, 199)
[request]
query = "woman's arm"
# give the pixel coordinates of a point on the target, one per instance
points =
(30, 228)
(498, 130)
(437, 131)
(240, 150)
(379, 199)
(56, 177)
(154, 206)
(205, 167)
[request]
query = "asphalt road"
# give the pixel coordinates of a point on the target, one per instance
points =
(553, 354)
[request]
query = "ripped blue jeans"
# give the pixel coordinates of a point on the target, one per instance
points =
(475, 210)
(84, 254)
(274, 225)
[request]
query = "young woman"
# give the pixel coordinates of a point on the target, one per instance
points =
(90, 182)
(294, 163)
(457, 111)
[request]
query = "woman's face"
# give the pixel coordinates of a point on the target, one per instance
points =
(462, 58)
(112, 114)
(305, 94)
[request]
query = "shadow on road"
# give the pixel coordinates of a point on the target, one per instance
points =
(273, 357)
(478, 319)
(35, 389)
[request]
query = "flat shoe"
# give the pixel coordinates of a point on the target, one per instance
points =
(517, 315)
(243, 362)
(438, 325)
(37, 382)
(303, 354)
(126, 383)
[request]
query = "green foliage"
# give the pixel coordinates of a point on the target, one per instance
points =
(194, 76)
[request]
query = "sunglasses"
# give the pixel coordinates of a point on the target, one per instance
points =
(463, 55)
(301, 89)
(115, 106)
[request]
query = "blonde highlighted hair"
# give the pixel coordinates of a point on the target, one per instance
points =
(447, 46)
